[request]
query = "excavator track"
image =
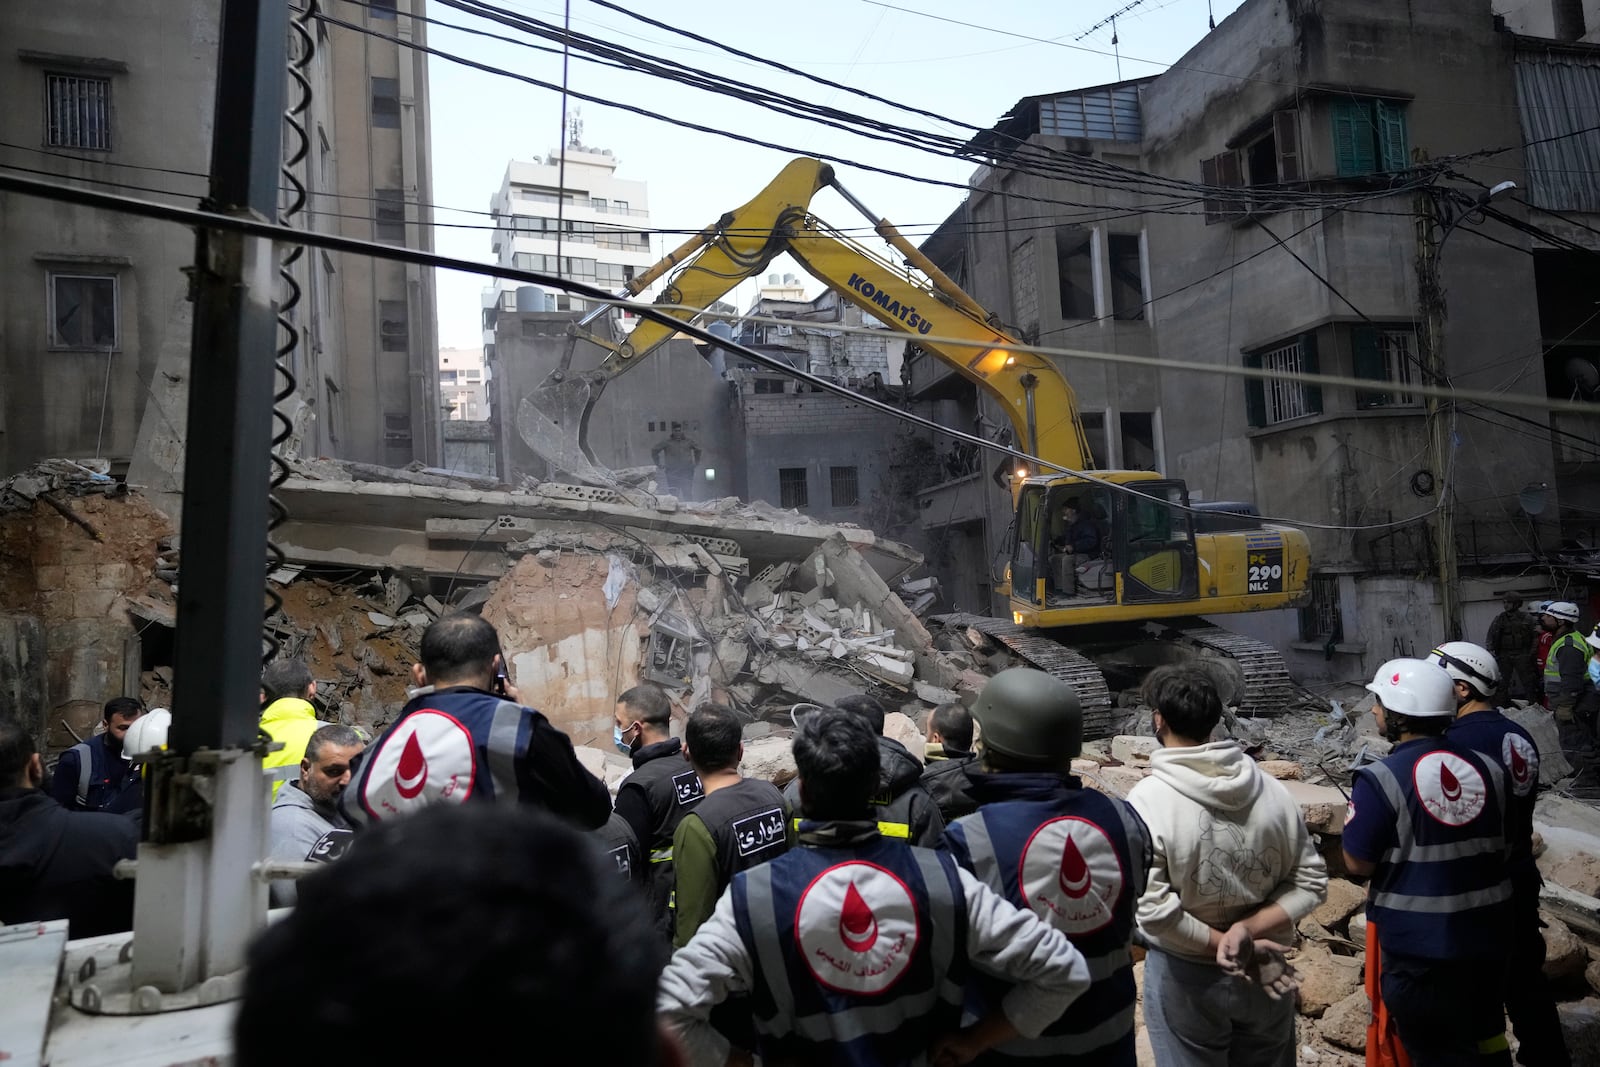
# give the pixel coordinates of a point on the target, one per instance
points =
(1267, 690)
(1100, 718)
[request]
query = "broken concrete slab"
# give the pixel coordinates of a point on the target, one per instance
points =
(902, 728)
(769, 758)
(808, 682)
(1133, 750)
(1323, 805)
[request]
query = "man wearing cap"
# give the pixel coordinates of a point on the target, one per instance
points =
(1565, 678)
(1077, 858)
(1428, 824)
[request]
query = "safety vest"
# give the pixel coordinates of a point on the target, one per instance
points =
(622, 849)
(1552, 669)
(103, 779)
(1442, 891)
(860, 952)
(1078, 860)
(746, 824)
(672, 789)
(1491, 734)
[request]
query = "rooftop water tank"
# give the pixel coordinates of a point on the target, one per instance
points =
(532, 298)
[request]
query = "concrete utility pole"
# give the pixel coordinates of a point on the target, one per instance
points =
(1446, 207)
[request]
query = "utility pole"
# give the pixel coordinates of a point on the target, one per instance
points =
(1431, 299)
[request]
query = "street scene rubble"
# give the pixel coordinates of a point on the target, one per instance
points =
(593, 590)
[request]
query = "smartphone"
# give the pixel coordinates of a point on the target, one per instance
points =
(500, 679)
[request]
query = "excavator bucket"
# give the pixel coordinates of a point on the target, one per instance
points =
(553, 421)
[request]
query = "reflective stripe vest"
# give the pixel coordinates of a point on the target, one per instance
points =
(860, 952)
(1552, 669)
(1443, 891)
(1489, 733)
(1079, 860)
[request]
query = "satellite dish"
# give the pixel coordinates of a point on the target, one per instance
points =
(1534, 498)
(1584, 376)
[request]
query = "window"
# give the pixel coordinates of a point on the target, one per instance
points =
(394, 326)
(396, 429)
(598, 203)
(792, 487)
(1269, 158)
(1274, 400)
(846, 491)
(620, 206)
(447, 377)
(1321, 620)
(612, 275)
(386, 103)
(381, 9)
(1127, 276)
(1369, 136)
(1075, 272)
(389, 211)
(1138, 441)
(1385, 355)
(83, 310)
(1094, 430)
(331, 391)
(769, 385)
(77, 112)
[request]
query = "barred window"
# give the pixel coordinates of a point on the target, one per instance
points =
(846, 490)
(1321, 620)
(1385, 355)
(394, 326)
(1274, 400)
(77, 112)
(792, 487)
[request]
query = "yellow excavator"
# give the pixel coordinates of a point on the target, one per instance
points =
(1107, 573)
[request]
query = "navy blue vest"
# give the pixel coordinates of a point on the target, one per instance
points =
(1442, 892)
(1079, 860)
(1490, 733)
(860, 952)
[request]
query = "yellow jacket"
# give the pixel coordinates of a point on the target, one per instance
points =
(292, 721)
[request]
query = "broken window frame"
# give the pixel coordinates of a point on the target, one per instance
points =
(1075, 273)
(104, 316)
(1242, 167)
(1126, 278)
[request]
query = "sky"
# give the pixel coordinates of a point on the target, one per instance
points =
(964, 62)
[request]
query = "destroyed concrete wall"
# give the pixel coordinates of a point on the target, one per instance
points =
(469, 446)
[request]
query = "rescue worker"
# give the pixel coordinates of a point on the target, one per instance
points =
(662, 789)
(902, 805)
(622, 849)
(1428, 825)
(949, 760)
(304, 824)
(1076, 857)
(1480, 727)
(467, 738)
(287, 715)
(855, 947)
(94, 775)
(740, 823)
(1233, 865)
(1565, 678)
(1511, 639)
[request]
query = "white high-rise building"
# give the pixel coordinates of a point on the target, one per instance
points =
(582, 223)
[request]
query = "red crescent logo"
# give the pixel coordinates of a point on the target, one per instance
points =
(1074, 875)
(411, 774)
(1449, 784)
(858, 927)
(1394, 679)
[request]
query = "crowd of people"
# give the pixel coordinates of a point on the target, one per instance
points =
(980, 904)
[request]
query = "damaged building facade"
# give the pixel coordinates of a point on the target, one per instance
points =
(1280, 101)
(95, 330)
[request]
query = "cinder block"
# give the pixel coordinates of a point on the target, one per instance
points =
(49, 576)
(78, 577)
(94, 604)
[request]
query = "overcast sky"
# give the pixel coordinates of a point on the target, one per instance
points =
(966, 62)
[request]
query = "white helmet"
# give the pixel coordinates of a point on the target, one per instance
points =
(1417, 688)
(1469, 663)
(148, 734)
(1565, 610)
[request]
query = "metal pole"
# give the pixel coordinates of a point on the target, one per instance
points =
(196, 905)
(1432, 300)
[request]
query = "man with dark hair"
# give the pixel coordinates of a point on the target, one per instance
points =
(93, 775)
(740, 823)
(854, 947)
(660, 791)
(1079, 533)
(1234, 869)
(467, 738)
(305, 824)
(946, 776)
(459, 933)
(902, 805)
(287, 714)
(56, 863)
(1428, 823)
(1077, 858)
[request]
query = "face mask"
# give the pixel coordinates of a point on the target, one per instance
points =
(616, 737)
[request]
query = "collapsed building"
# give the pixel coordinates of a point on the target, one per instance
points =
(595, 589)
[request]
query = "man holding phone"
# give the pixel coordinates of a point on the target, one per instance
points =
(465, 736)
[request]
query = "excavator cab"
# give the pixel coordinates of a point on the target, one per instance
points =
(1154, 546)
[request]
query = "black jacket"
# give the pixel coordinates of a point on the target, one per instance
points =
(947, 782)
(56, 864)
(653, 800)
(901, 797)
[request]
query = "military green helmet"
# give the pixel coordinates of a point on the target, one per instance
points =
(1028, 715)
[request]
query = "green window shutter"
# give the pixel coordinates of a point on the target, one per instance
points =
(1392, 146)
(1308, 363)
(1353, 140)
(1367, 361)
(1255, 394)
